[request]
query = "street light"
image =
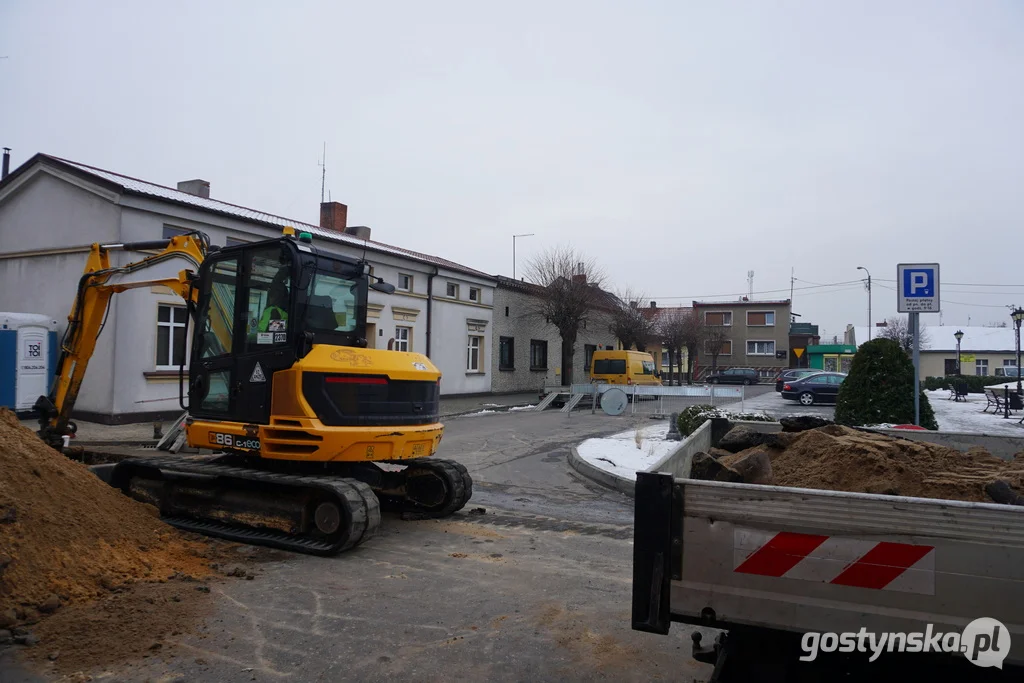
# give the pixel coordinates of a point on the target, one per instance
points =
(869, 298)
(959, 335)
(525, 234)
(1018, 316)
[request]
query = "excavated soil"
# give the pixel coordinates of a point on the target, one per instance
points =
(843, 459)
(67, 537)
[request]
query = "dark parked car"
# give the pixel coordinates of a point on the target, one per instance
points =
(821, 387)
(790, 375)
(735, 376)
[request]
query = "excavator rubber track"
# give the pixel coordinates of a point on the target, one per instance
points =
(430, 499)
(315, 515)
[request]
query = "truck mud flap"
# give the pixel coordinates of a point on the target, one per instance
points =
(657, 550)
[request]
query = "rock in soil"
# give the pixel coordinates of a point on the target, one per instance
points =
(755, 468)
(741, 438)
(49, 605)
(801, 423)
(705, 467)
(1001, 492)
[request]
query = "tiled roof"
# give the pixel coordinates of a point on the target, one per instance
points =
(142, 187)
(779, 302)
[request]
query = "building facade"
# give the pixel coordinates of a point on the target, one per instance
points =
(526, 350)
(52, 210)
(756, 334)
(984, 351)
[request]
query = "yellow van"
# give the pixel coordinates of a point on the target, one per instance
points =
(623, 367)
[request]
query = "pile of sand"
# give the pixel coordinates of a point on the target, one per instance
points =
(66, 536)
(843, 459)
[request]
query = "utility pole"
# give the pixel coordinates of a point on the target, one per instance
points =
(525, 234)
(870, 324)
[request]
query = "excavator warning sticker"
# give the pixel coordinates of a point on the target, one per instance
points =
(277, 325)
(265, 338)
(257, 374)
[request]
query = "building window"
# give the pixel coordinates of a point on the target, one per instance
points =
(981, 367)
(760, 318)
(718, 318)
(474, 294)
(452, 291)
(403, 338)
(760, 348)
(1009, 362)
(506, 311)
(404, 282)
(506, 353)
(726, 348)
(538, 354)
(473, 353)
(950, 366)
(171, 325)
(588, 351)
(169, 232)
(233, 242)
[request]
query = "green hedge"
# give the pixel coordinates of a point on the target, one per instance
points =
(975, 383)
(693, 417)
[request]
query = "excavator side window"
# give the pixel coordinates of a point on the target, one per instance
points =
(269, 302)
(210, 387)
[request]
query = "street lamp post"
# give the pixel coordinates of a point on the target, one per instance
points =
(959, 335)
(869, 298)
(1018, 316)
(525, 234)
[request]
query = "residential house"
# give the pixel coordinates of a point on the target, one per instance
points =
(984, 351)
(656, 347)
(757, 334)
(526, 349)
(52, 209)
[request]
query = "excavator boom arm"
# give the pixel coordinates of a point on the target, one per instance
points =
(173, 266)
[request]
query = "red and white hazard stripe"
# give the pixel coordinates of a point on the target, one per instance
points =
(838, 560)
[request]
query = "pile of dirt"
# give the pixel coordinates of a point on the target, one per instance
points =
(66, 536)
(842, 459)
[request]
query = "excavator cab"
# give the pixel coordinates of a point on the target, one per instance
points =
(262, 307)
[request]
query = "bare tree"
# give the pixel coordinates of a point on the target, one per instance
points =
(572, 290)
(898, 329)
(671, 329)
(715, 339)
(693, 336)
(629, 323)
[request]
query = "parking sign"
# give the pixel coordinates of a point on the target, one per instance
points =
(918, 288)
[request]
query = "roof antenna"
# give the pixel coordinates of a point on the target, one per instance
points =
(323, 173)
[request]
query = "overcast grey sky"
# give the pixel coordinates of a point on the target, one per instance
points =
(680, 144)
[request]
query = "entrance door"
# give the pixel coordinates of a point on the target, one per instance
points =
(371, 335)
(211, 381)
(30, 382)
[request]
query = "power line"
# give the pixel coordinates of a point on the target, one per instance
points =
(959, 284)
(958, 303)
(763, 291)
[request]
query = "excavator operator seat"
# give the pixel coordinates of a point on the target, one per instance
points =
(320, 313)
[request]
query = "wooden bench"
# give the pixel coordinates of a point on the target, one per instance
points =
(958, 391)
(997, 399)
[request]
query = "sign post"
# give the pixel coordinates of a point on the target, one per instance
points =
(918, 293)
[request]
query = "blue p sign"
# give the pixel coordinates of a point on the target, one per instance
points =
(918, 283)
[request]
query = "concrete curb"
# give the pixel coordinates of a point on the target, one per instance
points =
(599, 476)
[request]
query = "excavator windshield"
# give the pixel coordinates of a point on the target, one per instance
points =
(336, 303)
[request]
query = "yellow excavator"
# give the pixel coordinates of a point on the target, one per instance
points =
(312, 432)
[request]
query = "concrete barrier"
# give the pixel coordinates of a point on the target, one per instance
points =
(603, 477)
(1004, 447)
(677, 463)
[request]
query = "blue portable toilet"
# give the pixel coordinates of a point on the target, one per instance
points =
(28, 356)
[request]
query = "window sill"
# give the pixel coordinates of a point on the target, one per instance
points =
(163, 374)
(506, 369)
(538, 369)
(475, 372)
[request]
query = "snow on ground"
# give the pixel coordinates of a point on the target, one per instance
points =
(966, 416)
(619, 454)
(481, 412)
(521, 408)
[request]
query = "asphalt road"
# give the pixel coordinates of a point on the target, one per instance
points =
(535, 589)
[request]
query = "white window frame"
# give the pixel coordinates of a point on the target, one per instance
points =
(408, 286)
(168, 329)
(403, 338)
(1009, 362)
(451, 287)
(761, 341)
(474, 294)
(726, 343)
(725, 315)
(766, 314)
(479, 348)
(981, 364)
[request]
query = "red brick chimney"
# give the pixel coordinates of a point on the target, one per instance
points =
(333, 216)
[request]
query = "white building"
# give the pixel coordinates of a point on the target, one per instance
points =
(52, 209)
